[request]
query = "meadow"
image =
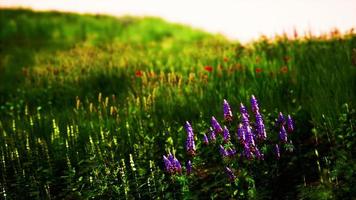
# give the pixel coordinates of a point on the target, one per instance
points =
(89, 104)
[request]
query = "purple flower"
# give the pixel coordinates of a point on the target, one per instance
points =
(290, 126)
(258, 117)
(261, 131)
(188, 128)
(190, 145)
(189, 167)
(258, 154)
(212, 135)
(215, 124)
(205, 139)
(249, 136)
(227, 111)
(277, 151)
(283, 134)
(172, 164)
(241, 133)
(171, 157)
(244, 119)
(260, 127)
(230, 174)
(168, 165)
(226, 134)
(281, 120)
(177, 166)
(247, 151)
(254, 104)
(231, 152)
(243, 110)
(222, 151)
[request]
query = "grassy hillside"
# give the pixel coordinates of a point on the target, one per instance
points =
(90, 103)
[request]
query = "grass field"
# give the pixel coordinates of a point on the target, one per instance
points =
(89, 104)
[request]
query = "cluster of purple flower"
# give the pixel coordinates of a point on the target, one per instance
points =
(281, 123)
(229, 152)
(250, 135)
(247, 134)
(172, 164)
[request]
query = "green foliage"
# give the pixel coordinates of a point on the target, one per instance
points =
(90, 103)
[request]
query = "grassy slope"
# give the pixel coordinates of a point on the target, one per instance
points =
(49, 59)
(48, 41)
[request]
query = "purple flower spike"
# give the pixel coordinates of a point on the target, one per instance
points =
(277, 151)
(167, 165)
(189, 167)
(222, 151)
(283, 134)
(190, 145)
(258, 117)
(172, 164)
(226, 134)
(261, 131)
(247, 151)
(254, 104)
(227, 111)
(171, 157)
(260, 127)
(212, 135)
(281, 120)
(205, 139)
(241, 133)
(249, 136)
(188, 128)
(230, 174)
(243, 110)
(215, 124)
(245, 121)
(231, 152)
(177, 166)
(290, 126)
(258, 154)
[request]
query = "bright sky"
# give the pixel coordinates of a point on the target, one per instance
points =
(237, 19)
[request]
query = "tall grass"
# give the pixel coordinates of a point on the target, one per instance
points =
(90, 103)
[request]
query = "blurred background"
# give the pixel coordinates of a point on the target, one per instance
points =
(236, 19)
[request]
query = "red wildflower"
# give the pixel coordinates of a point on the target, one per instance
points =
(258, 70)
(226, 59)
(138, 73)
(284, 69)
(208, 68)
